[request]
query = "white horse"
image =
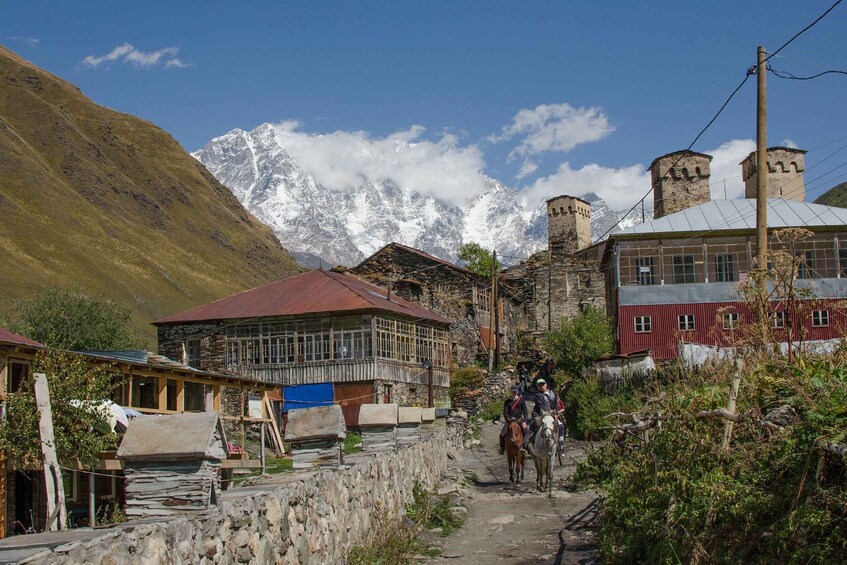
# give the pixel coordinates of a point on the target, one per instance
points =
(543, 449)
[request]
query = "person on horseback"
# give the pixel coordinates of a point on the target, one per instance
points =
(546, 401)
(514, 408)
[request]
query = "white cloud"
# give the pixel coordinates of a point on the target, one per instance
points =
(26, 40)
(789, 143)
(623, 186)
(552, 128)
(128, 53)
(442, 168)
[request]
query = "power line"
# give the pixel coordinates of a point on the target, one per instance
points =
(802, 31)
(790, 76)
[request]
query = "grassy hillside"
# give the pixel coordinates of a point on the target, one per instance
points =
(835, 196)
(112, 204)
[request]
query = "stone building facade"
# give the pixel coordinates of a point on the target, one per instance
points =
(452, 291)
(785, 174)
(680, 180)
(565, 279)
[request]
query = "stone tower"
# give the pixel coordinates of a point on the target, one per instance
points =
(785, 174)
(680, 180)
(568, 225)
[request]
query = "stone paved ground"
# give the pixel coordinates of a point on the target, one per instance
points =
(515, 524)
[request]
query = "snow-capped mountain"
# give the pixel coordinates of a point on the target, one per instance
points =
(344, 227)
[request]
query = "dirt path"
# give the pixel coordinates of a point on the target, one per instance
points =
(515, 524)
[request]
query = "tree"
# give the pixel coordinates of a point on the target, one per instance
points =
(477, 259)
(69, 319)
(580, 341)
(75, 389)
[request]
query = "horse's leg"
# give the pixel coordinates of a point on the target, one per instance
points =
(511, 457)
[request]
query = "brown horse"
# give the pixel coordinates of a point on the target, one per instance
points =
(515, 456)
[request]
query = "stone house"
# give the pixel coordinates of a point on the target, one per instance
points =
(454, 292)
(320, 327)
(558, 283)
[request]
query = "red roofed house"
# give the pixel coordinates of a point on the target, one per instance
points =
(319, 327)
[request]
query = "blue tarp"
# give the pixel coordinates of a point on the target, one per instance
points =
(307, 396)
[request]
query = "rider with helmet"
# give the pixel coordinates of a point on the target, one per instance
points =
(546, 401)
(514, 408)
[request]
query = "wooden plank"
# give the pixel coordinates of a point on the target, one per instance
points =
(277, 438)
(180, 395)
(162, 389)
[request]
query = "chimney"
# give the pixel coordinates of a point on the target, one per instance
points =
(680, 180)
(785, 174)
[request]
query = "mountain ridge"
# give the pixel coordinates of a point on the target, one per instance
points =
(111, 204)
(344, 227)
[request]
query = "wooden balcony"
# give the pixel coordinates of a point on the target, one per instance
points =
(345, 371)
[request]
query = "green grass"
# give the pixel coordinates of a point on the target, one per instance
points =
(273, 466)
(352, 443)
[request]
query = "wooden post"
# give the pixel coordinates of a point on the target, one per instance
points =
(216, 398)
(54, 487)
(430, 392)
(92, 506)
(129, 391)
(162, 390)
(761, 180)
(262, 447)
(730, 405)
(180, 395)
(496, 314)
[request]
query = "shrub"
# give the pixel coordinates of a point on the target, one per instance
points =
(463, 380)
(580, 341)
(587, 405)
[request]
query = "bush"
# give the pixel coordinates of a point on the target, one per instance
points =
(490, 411)
(463, 380)
(578, 342)
(768, 497)
(587, 405)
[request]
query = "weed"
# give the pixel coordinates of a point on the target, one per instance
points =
(352, 443)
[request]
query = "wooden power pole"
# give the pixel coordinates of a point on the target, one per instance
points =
(491, 320)
(496, 287)
(761, 179)
(54, 487)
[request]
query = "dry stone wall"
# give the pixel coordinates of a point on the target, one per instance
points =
(313, 521)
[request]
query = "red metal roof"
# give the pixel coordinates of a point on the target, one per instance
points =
(315, 292)
(11, 337)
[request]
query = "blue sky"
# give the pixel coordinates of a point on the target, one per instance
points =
(604, 87)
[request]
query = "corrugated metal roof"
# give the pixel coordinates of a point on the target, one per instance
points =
(740, 214)
(315, 292)
(7, 336)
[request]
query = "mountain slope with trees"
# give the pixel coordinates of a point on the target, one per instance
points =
(108, 203)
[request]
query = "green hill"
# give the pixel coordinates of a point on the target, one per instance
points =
(835, 196)
(113, 205)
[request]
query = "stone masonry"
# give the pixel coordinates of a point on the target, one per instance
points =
(680, 180)
(785, 174)
(314, 520)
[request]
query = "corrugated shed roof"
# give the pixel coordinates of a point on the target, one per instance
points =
(315, 292)
(740, 214)
(7, 336)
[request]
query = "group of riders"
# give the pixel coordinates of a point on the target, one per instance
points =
(545, 401)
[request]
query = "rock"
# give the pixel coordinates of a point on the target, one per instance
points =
(449, 489)
(502, 520)
(545, 557)
(467, 444)
(459, 512)
(452, 453)
(436, 531)
(241, 539)
(475, 443)
(210, 548)
(560, 494)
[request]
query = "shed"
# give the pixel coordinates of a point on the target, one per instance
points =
(408, 426)
(171, 463)
(317, 436)
(378, 423)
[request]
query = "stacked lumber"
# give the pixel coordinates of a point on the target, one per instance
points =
(165, 489)
(408, 426)
(319, 453)
(378, 423)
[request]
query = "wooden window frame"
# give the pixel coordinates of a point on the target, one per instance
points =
(646, 323)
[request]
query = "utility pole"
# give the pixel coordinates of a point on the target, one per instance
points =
(496, 288)
(761, 179)
(491, 321)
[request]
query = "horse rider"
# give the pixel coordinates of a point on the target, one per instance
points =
(546, 401)
(514, 408)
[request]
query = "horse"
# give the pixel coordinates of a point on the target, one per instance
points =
(543, 450)
(515, 456)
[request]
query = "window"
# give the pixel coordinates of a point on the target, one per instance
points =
(842, 262)
(105, 487)
(724, 267)
(683, 269)
(778, 320)
(730, 320)
(806, 267)
(18, 373)
(643, 324)
(820, 318)
(645, 271)
(686, 323)
(192, 353)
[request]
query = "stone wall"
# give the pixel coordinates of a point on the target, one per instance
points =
(496, 389)
(406, 394)
(312, 521)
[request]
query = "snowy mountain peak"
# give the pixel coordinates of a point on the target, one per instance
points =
(345, 226)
